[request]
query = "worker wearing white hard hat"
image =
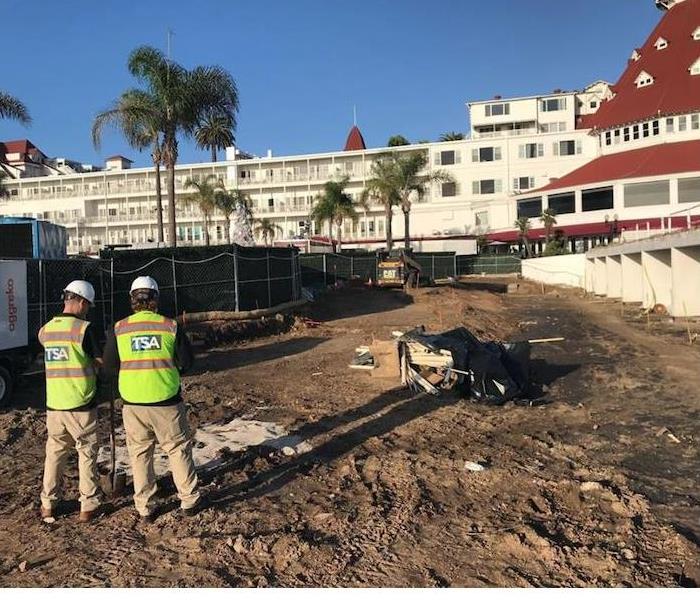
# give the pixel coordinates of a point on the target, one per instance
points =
(71, 357)
(145, 355)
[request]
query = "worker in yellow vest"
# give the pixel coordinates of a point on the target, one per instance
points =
(71, 356)
(146, 355)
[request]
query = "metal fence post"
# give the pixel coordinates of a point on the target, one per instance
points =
(352, 268)
(269, 289)
(237, 305)
(454, 266)
(177, 308)
(433, 261)
(325, 271)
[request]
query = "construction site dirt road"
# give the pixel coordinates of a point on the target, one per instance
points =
(364, 484)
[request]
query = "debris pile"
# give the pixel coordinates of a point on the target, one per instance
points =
(488, 372)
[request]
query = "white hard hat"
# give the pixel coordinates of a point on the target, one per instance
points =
(144, 283)
(83, 289)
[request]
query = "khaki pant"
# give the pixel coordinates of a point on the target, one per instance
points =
(144, 425)
(68, 430)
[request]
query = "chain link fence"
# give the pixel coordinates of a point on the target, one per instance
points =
(236, 279)
(326, 268)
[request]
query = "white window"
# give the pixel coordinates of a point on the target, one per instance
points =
(567, 148)
(553, 127)
(695, 121)
(695, 67)
(682, 123)
(481, 219)
(669, 125)
(487, 186)
(448, 157)
(553, 104)
(608, 138)
(635, 56)
(448, 189)
(644, 79)
(497, 110)
(521, 184)
(696, 34)
(616, 136)
(661, 43)
(487, 154)
(530, 150)
(594, 104)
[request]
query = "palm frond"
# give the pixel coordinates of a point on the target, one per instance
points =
(13, 108)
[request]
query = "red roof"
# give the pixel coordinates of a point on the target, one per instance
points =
(662, 159)
(355, 140)
(674, 89)
(14, 146)
(599, 228)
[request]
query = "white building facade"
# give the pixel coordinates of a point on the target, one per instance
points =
(522, 156)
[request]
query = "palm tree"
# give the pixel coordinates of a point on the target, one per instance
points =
(12, 108)
(334, 205)
(522, 224)
(183, 97)
(382, 187)
(204, 197)
(215, 132)
(266, 229)
(228, 202)
(413, 184)
(549, 220)
(451, 136)
(137, 115)
(397, 140)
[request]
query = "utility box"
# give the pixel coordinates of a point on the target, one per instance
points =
(29, 238)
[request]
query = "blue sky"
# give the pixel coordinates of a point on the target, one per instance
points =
(408, 65)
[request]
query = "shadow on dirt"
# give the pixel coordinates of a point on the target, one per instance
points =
(405, 409)
(356, 302)
(231, 358)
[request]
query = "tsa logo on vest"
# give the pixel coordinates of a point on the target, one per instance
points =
(55, 354)
(143, 343)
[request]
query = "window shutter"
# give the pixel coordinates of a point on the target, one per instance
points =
(532, 182)
(578, 146)
(437, 158)
(521, 151)
(458, 158)
(515, 184)
(556, 148)
(475, 155)
(540, 149)
(498, 186)
(497, 153)
(475, 187)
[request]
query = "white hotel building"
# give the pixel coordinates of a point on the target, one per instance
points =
(610, 160)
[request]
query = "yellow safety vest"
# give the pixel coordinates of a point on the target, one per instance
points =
(71, 380)
(146, 346)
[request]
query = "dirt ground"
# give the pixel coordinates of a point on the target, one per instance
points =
(599, 487)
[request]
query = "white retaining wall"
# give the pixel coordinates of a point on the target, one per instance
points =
(567, 269)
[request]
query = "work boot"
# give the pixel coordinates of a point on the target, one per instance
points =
(201, 504)
(87, 515)
(149, 518)
(46, 513)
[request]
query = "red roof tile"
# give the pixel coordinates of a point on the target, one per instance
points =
(14, 146)
(355, 140)
(662, 159)
(674, 89)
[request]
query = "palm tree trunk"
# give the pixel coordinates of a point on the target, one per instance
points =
(213, 154)
(340, 234)
(206, 229)
(159, 196)
(170, 158)
(407, 229)
(228, 229)
(389, 238)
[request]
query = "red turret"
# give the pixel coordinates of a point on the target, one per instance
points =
(355, 140)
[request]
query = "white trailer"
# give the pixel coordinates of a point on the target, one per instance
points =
(15, 353)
